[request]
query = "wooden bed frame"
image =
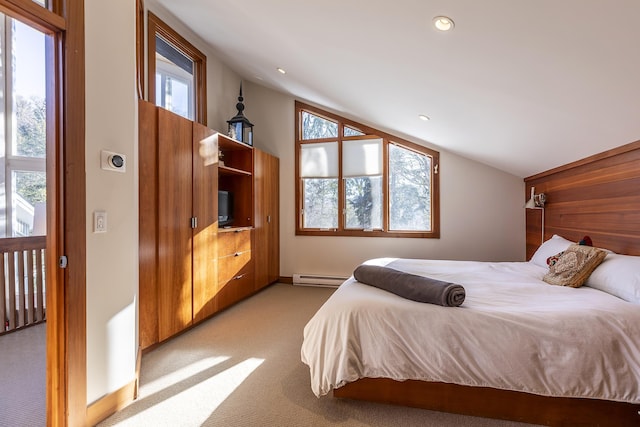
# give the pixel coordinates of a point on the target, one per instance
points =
(597, 196)
(493, 403)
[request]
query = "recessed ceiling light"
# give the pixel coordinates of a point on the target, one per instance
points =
(443, 23)
(425, 118)
(281, 70)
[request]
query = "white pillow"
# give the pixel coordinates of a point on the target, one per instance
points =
(618, 275)
(553, 246)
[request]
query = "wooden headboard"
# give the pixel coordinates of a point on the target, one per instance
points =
(598, 196)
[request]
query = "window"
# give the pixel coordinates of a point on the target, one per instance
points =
(24, 110)
(357, 181)
(177, 72)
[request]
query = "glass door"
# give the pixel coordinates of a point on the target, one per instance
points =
(25, 109)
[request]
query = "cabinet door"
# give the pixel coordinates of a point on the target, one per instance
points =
(266, 183)
(174, 219)
(261, 232)
(272, 185)
(148, 202)
(205, 210)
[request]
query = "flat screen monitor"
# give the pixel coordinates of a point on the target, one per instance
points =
(225, 208)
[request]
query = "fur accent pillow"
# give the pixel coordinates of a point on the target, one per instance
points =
(574, 266)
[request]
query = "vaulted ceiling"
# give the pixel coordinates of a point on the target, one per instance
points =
(521, 85)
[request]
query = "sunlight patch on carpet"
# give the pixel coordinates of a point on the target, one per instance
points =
(181, 374)
(195, 404)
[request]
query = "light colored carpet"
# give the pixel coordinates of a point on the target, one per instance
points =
(23, 360)
(243, 368)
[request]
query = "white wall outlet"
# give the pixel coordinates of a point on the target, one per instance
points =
(99, 222)
(114, 162)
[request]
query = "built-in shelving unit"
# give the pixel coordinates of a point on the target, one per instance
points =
(235, 171)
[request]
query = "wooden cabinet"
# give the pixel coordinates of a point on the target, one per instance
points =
(178, 224)
(190, 268)
(235, 241)
(266, 175)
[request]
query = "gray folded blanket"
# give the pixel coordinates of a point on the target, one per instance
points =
(411, 286)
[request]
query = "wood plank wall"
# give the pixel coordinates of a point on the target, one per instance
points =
(598, 196)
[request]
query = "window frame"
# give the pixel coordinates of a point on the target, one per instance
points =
(155, 26)
(387, 139)
(140, 48)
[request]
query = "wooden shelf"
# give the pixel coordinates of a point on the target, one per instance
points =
(227, 144)
(233, 229)
(226, 170)
(237, 157)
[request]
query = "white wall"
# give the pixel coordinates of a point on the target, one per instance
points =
(481, 217)
(112, 257)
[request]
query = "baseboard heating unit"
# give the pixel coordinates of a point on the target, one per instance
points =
(317, 280)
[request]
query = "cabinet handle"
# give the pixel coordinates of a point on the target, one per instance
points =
(269, 219)
(236, 254)
(239, 277)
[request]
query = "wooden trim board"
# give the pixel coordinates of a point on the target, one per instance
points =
(111, 403)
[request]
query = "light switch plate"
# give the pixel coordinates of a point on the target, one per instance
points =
(99, 222)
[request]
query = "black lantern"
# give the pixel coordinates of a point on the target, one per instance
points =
(240, 128)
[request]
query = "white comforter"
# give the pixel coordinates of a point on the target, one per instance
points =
(513, 332)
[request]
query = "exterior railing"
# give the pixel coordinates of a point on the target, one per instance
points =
(22, 273)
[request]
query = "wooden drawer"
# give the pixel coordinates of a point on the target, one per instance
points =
(226, 244)
(243, 240)
(237, 288)
(232, 242)
(231, 266)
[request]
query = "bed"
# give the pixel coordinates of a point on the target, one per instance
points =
(517, 348)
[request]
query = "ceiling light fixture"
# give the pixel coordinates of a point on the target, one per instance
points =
(425, 118)
(281, 70)
(443, 23)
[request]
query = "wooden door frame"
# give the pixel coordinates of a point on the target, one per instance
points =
(71, 409)
(66, 233)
